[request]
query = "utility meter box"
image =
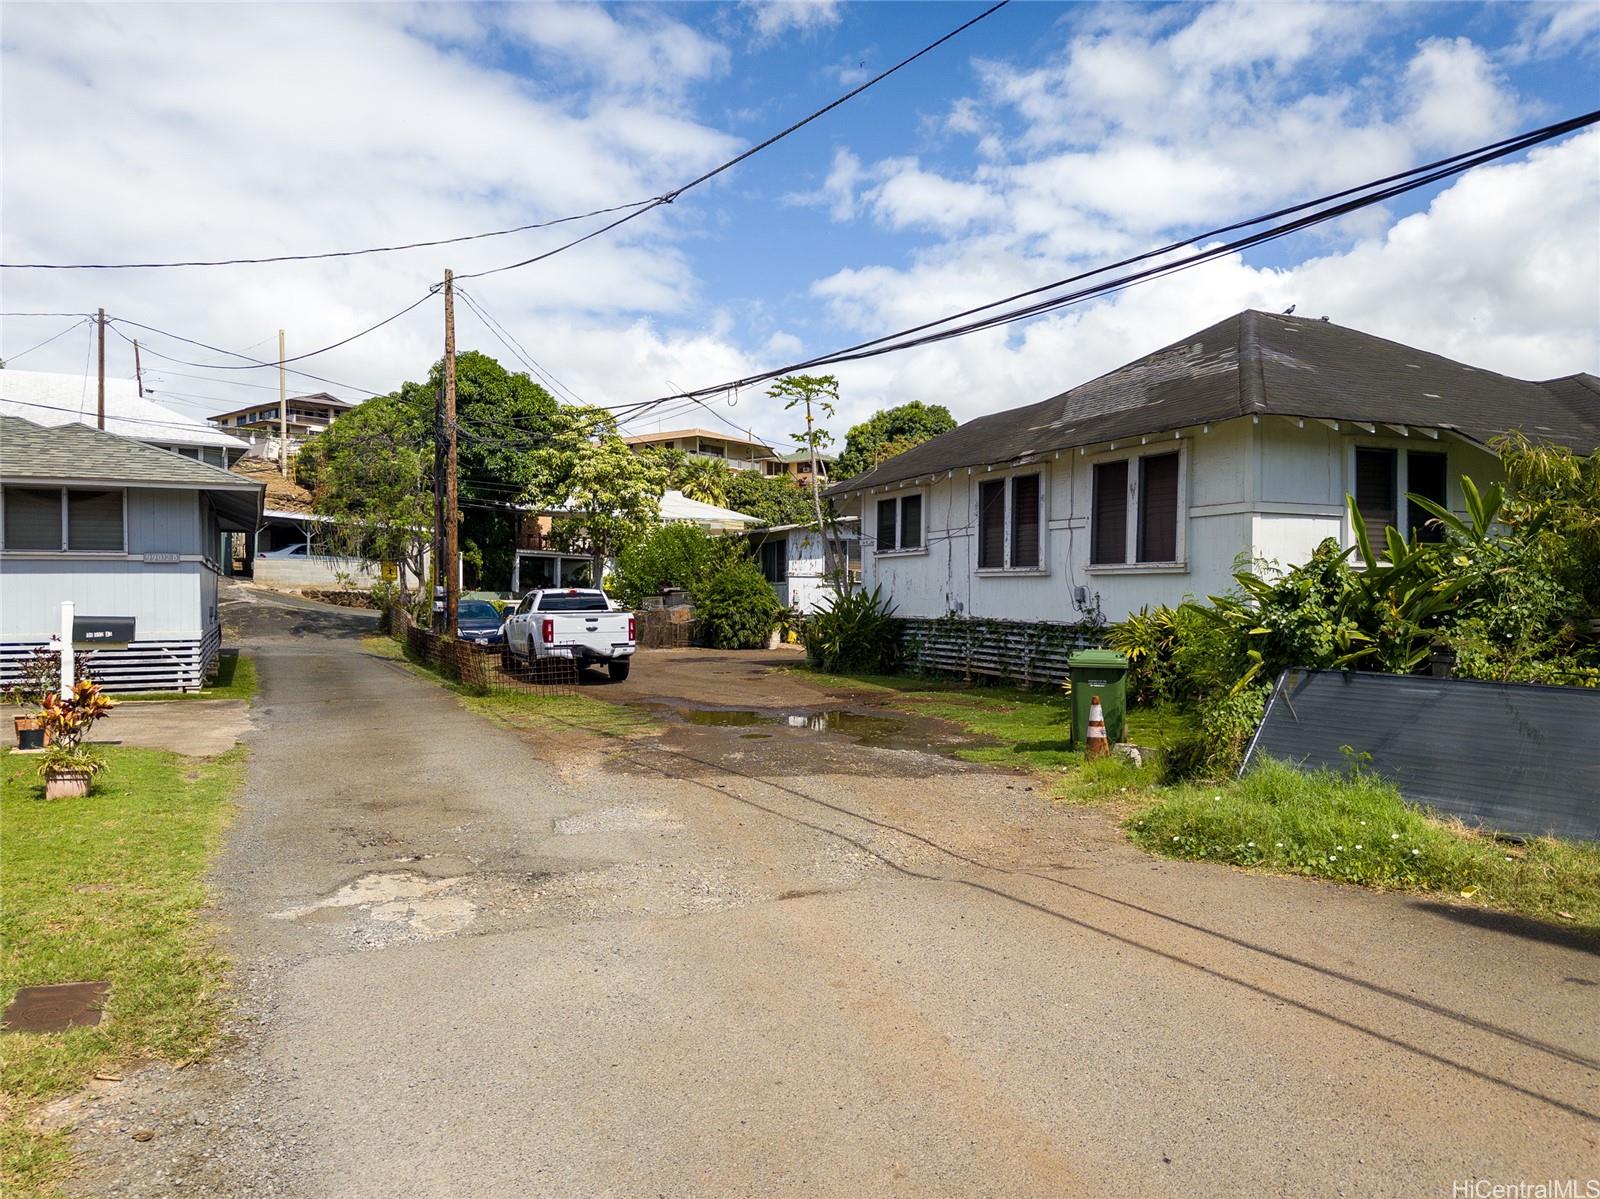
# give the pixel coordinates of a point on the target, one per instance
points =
(1104, 673)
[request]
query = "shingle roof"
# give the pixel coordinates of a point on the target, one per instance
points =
(1264, 363)
(49, 398)
(29, 451)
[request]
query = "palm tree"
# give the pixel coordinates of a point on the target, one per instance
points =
(705, 479)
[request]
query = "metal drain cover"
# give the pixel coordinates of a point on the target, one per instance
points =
(56, 1007)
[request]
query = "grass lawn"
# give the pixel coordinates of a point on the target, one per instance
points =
(108, 887)
(523, 710)
(1027, 728)
(1358, 830)
(236, 679)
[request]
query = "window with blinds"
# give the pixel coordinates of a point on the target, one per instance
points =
(33, 518)
(94, 520)
(992, 525)
(886, 525)
(910, 522)
(1025, 522)
(1375, 489)
(1425, 476)
(1108, 533)
(1158, 508)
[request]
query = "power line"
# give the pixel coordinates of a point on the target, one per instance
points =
(46, 341)
(165, 374)
(1410, 180)
(177, 424)
(415, 245)
(669, 197)
(256, 363)
(219, 350)
(506, 338)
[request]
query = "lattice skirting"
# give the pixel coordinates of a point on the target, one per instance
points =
(1015, 650)
(143, 666)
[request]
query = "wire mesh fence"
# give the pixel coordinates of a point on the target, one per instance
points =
(483, 667)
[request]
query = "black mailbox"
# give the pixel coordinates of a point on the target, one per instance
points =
(101, 632)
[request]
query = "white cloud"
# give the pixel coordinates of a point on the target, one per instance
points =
(1550, 28)
(1457, 97)
(215, 131)
(1501, 271)
(773, 18)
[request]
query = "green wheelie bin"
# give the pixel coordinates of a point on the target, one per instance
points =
(1101, 672)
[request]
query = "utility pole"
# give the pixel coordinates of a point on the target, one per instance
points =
(138, 371)
(283, 413)
(101, 406)
(452, 515)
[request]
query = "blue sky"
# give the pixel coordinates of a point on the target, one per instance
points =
(1046, 139)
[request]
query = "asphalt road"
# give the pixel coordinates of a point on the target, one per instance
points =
(702, 961)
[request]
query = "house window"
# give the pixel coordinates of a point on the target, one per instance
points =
(900, 523)
(1425, 476)
(775, 561)
(1136, 510)
(58, 518)
(1108, 535)
(1008, 523)
(1376, 488)
(1158, 508)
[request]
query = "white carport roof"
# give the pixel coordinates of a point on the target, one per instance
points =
(677, 508)
(50, 399)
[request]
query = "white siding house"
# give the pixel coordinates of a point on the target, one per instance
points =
(1154, 483)
(121, 529)
(792, 559)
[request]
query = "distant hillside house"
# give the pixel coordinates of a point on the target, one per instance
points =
(308, 415)
(50, 399)
(122, 529)
(797, 465)
(741, 453)
(1148, 484)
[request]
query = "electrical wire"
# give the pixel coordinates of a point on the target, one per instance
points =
(1409, 181)
(179, 423)
(415, 245)
(219, 350)
(669, 197)
(507, 339)
(46, 341)
(256, 364)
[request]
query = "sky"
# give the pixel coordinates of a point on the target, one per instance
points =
(1047, 139)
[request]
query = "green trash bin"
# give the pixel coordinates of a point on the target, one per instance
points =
(1101, 672)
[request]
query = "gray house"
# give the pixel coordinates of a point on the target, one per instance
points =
(123, 530)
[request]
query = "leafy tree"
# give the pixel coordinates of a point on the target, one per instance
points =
(371, 474)
(774, 499)
(676, 555)
(888, 432)
(704, 479)
(609, 495)
(736, 608)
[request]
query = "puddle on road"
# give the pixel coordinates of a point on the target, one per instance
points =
(416, 902)
(881, 732)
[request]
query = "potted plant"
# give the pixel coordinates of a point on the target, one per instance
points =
(40, 673)
(67, 773)
(68, 768)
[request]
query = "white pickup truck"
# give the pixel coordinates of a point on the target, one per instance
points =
(580, 623)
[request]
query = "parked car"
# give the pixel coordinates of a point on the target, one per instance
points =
(298, 550)
(580, 623)
(479, 622)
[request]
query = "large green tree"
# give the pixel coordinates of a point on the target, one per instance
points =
(774, 500)
(888, 432)
(607, 495)
(500, 415)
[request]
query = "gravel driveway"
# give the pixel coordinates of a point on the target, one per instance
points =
(741, 960)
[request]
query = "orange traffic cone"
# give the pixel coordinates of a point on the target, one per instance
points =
(1096, 745)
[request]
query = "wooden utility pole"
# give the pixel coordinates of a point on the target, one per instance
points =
(283, 413)
(452, 515)
(138, 371)
(101, 406)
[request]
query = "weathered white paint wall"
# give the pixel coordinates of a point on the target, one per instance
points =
(315, 571)
(1265, 490)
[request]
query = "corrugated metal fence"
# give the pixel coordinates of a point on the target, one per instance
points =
(1020, 651)
(1515, 757)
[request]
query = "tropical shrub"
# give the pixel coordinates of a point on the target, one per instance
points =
(858, 632)
(735, 607)
(670, 556)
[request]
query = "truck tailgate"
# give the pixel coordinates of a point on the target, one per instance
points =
(597, 631)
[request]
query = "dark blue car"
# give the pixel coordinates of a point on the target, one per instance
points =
(478, 621)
